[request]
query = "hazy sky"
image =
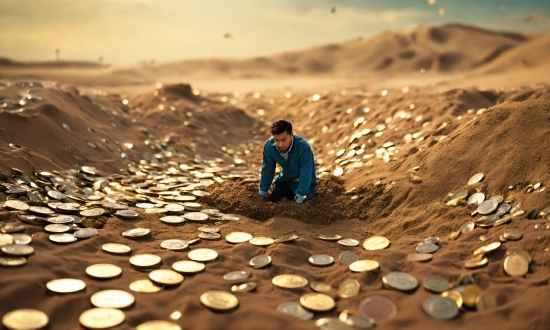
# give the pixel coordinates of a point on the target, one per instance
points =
(129, 31)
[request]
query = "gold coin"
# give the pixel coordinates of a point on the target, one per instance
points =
(245, 287)
(238, 237)
(454, 235)
(470, 295)
(516, 265)
(103, 271)
(112, 299)
(354, 319)
(188, 266)
(485, 301)
(320, 287)
(65, 285)
(525, 254)
(145, 260)
(261, 241)
(491, 247)
(145, 286)
(364, 265)
(15, 204)
(158, 325)
(116, 248)
(166, 277)
(476, 262)
(219, 300)
(419, 257)
(289, 281)
(349, 288)
(30, 319)
(318, 302)
(454, 296)
(202, 255)
(101, 318)
(376, 243)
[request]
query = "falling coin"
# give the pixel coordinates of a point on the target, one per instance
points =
(103, 271)
(116, 248)
(101, 318)
(165, 277)
(219, 300)
(260, 261)
(318, 302)
(295, 309)
(289, 281)
(28, 319)
(376, 243)
(65, 285)
(202, 255)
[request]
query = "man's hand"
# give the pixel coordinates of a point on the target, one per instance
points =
(263, 194)
(300, 199)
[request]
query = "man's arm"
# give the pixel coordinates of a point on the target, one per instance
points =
(307, 167)
(267, 173)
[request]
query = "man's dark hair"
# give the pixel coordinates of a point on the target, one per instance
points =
(280, 126)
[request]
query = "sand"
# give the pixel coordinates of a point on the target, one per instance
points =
(422, 136)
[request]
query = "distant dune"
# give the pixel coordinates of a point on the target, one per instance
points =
(9, 63)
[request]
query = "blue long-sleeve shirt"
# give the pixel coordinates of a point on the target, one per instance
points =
(298, 170)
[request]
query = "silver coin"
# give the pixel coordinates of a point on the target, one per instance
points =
(136, 233)
(295, 309)
(193, 241)
(400, 281)
(56, 194)
(209, 236)
(57, 228)
(174, 244)
(85, 233)
(236, 276)
(192, 206)
(209, 229)
(17, 250)
(115, 206)
(503, 209)
(13, 262)
(155, 210)
(348, 257)
(497, 199)
(116, 248)
(348, 242)
(60, 219)
(15, 204)
(62, 238)
(172, 219)
(475, 179)
(41, 210)
(21, 239)
(229, 217)
(195, 216)
(487, 207)
(440, 307)
(433, 240)
(127, 214)
(427, 248)
(260, 261)
(435, 284)
(321, 260)
(245, 287)
(174, 208)
(330, 238)
(92, 213)
(476, 198)
(286, 238)
(12, 228)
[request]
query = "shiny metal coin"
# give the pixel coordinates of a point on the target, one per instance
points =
(331, 323)
(502, 209)
(174, 244)
(512, 234)
(487, 207)
(440, 307)
(41, 210)
(376, 243)
(27, 319)
(377, 308)
(85, 233)
(435, 284)
(454, 296)
(17, 250)
(516, 265)
(188, 266)
(174, 208)
(238, 237)
(400, 281)
(295, 309)
(193, 241)
(185, 198)
(6, 239)
(245, 287)
(155, 210)
(467, 226)
(191, 206)
(209, 236)
(459, 195)
(321, 260)
(476, 198)
(158, 325)
(62, 219)
(136, 233)
(476, 262)
(219, 300)
(471, 294)
(145, 205)
(318, 302)
(260, 261)
(63, 238)
(320, 287)
(172, 219)
(330, 237)
(56, 194)
(195, 216)
(210, 212)
(112, 299)
(127, 214)
(426, 248)
(525, 254)
(116, 248)
(349, 288)
(165, 277)
(236, 276)
(13, 262)
(289, 281)
(103, 271)
(65, 285)
(364, 265)
(101, 318)
(57, 228)
(12, 228)
(145, 286)
(92, 213)
(14, 204)
(261, 241)
(432, 240)
(286, 238)
(145, 260)
(202, 255)
(497, 199)
(347, 257)
(419, 257)
(348, 242)
(356, 320)
(229, 217)
(475, 178)
(21, 239)
(209, 229)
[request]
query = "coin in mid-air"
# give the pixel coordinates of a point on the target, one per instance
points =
(65, 285)
(28, 319)
(219, 300)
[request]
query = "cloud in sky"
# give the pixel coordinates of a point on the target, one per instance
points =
(126, 31)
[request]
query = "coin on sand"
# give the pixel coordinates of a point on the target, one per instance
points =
(195, 216)
(525, 254)
(165, 277)
(172, 219)
(6, 239)
(174, 244)
(349, 288)
(112, 299)
(116, 248)
(485, 301)
(85, 233)
(295, 309)
(476, 262)
(15, 204)
(260, 261)
(127, 214)
(65, 285)
(487, 207)
(321, 260)
(188, 266)
(471, 294)
(475, 178)
(219, 300)
(476, 198)
(364, 265)
(62, 238)
(348, 242)
(356, 320)
(332, 323)
(516, 265)
(286, 238)
(145, 286)
(209, 236)
(92, 213)
(136, 233)
(145, 260)
(318, 302)
(245, 287)
(238, 237)
(377, 308)
(376, 243)
(101, 318)
(347, 257)
(419, 257)
(512, 234)
(57, 228)
(202, 255)
(289, 281)
(158, 325)
(29, 319)
(454, 296)
(13, 262)
(440, 307)
(209, 229)
(330, 237)
(60, 219)
(238, 276)
(320, 287)
(426, 248)
(103, 271)
(17, 250)
(435, 284)
(400, 281)
(261, 241)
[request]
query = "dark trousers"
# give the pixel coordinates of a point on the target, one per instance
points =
(280, 191)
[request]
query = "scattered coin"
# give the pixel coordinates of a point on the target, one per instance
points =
(13, 262)
(60, 219)
(202, 255)
(191, 206)
(286, 238)
(6, 239)
(347, 257)
(330, 237)
(295, 309)
(145, 260)
(174, 244)
(467, 227)
(260, 261)
(103, 271)
(348, 242)
(195, 216)
(377, 308)
(356, 320)
(512, 234)
(57, 228)
(28, 319)
(165, 277)
(525, 254)
(516, 265)
(330, 323)
(41, 210)
(364, 265)
(431, 240)
(459, 195)
(440, 307)
(376, 243)
(318, 302)
(92, 213)
(219, 300)
(454, 296)
(127, 214)
(209, 229)
(487, 207)
(400, 281)
(236, 276)
(261, 241)
(158, 325)
(485, 301)
(145, 286)
(497, 199)
(21, 239)
(136, 233)
(475, 178)
(172, 219)
(349, 288)
(238, 237)
(427, 248)
(320, 287)
(188, 266)
(321, 260)
(245, 287)
(101, 318)
(174, 208)
(435, 284)
(85, 233)
(112, 299)
(419, 257)
(471, 294)
(14, 204)
(476, 198)
(65, 285)
(116, 248)
(17, 250)
(209, 236)
(289, 281)
(476, 262)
